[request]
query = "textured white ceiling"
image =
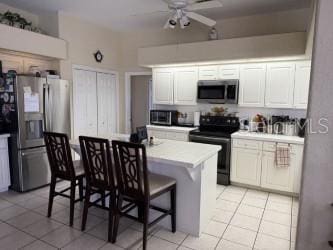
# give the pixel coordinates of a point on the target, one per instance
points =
(132, 14)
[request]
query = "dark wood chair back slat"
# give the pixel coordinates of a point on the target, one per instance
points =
(59, 154)
(97, 162)
(131, 168)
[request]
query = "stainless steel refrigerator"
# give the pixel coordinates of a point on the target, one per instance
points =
(43, 104)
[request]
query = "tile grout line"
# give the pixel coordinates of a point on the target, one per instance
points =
(261, 219)
(231, 217)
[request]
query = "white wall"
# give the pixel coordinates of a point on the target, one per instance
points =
(315, 227)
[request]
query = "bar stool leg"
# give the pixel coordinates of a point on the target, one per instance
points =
(72, 202)
(51, 195)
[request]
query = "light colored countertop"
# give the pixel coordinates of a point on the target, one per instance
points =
(4, 136)
(171, 128)
(267, 137)
(178, 153)
(185, 154)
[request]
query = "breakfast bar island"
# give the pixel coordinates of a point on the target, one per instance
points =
(194, 166)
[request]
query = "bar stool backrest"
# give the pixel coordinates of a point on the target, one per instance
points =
(97, 162)
(131, 168)
(59, 154)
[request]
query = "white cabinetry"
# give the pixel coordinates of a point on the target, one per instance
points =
(253, 163)
(169, 133)
(229, 71)
(94, 103)
(4, 164)
(163, 79)
(246, 166)
(296, 160)
(274, 177)
(208, 72)
(252, 85)
(280, 85)
(302, 83)
(185, 86)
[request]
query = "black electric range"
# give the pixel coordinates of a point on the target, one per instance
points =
(217, 130)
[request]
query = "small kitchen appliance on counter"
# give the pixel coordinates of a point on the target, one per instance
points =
(163, 117)
(217, 130)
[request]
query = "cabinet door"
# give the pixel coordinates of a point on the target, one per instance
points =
(246, 166)
(280, 85)
(107, 109)
(163, 86)
(227, 72)
(185, 86)
(302, 83)
(208, 72)
(273, 177)
(177, 136)
(296, 161)
(252, 85)
(84, 103)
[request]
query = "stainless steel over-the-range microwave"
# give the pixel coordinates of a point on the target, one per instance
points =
(218, 91)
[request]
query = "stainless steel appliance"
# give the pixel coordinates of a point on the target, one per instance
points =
(163, 117)
(43, 104)
(218, 91)
(217, 130)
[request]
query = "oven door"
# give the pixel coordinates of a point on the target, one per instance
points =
(214, 93)
(223, 162)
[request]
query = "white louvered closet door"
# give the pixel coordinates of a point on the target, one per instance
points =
(84, 103)
(107, 104)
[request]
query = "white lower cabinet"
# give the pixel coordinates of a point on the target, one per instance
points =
(165, 133)
(246, 166)
(254, 164)
(274, 177)
(4, 165)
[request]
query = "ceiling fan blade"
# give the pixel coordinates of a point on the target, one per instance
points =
(205, 5)
(202, 19)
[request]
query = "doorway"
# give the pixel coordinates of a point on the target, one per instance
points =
(141, 100)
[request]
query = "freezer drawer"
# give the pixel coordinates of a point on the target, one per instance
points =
(35, 168)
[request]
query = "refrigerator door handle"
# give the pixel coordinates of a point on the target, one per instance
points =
(44, 106)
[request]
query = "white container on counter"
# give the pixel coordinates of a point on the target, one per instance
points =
(196, 118)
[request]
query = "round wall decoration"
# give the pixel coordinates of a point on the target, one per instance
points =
(98, 56)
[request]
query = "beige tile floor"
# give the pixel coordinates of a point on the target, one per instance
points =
(243, 219)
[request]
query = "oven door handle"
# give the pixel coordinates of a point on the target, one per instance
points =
(196, 137)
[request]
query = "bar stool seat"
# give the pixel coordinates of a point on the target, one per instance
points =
(159, 183)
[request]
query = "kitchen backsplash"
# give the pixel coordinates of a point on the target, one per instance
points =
(242, 112)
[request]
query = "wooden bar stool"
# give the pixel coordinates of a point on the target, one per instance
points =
(137, 185)
(100, 177)
(63, 167)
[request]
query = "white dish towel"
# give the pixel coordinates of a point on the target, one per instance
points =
(282, 155)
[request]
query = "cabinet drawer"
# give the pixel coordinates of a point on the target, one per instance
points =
(177, 136)
(269, 146)
(249, 144)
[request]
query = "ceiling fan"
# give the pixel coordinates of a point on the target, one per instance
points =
(182, 10)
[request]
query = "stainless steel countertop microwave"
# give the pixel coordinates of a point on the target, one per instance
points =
(218, 91)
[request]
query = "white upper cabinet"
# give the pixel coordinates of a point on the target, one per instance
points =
(185, 86)
(163, 79)
(252, 85)
(302, 83)
(209, 72)
(280, 85)
(229, 71)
